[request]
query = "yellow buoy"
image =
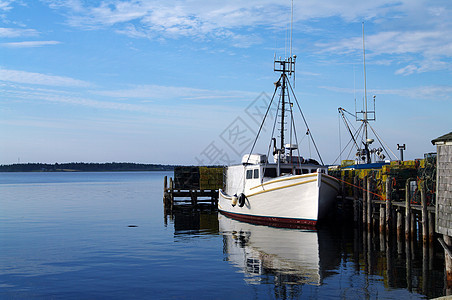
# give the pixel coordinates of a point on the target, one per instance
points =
(234, 200)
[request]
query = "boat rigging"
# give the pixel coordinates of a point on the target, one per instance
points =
(361, 140)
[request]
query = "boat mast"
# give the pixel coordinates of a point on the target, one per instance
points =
(283, 104)
(285, 67)
(366, 145)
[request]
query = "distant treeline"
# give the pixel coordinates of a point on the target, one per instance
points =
(83, 167)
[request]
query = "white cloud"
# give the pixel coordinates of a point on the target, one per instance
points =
(202, 19)
(157, 92)
(439, 92)
(64, 97)
(29, 44)
(395, 28)
(415, 36)
(207, 16)
(159, 113)
(423, 92)
(40, 79)
(4, 4)
(17, 32)
(433, 46)
(430, 42)
(197, 19)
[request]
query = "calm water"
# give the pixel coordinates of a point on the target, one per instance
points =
(105, 235)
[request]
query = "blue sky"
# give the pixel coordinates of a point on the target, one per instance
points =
(171, 81)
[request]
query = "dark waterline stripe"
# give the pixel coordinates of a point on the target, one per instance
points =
(273, 221)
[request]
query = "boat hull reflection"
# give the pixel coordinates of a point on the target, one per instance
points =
(292, 256)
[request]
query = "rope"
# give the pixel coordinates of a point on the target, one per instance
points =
(363, 189)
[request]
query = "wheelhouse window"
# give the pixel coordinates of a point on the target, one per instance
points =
(249, 174)
(256, 173)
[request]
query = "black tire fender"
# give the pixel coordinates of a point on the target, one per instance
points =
(241, 199)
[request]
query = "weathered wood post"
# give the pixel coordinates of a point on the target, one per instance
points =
(424, 214)
(364, 202)
(407, 209)
(388, 206)
(165, 190)
(382, 227)
(370, 254)
(431, 230)
(389, 262)
(431, 227)
(425, 263)
(414, 218)
(355, 199)
(399, 221)
(369, 203)
(408, 263)
(365, 248)
(343, 189)
(194, 198)
(382, 238)
(382, 218)
(171, 190)
(399, 230)
(213, 202)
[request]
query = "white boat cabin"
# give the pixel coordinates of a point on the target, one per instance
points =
(255, 169)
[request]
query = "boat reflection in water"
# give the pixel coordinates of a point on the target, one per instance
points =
(335, 259)
(291, 256)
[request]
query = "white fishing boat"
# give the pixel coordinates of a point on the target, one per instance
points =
(290, 190)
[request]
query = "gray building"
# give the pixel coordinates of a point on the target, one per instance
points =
(444, 198)
(444, 184)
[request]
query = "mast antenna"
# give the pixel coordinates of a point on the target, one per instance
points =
(291, 29)
(365, 88)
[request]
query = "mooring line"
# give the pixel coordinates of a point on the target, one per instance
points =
(363, 189)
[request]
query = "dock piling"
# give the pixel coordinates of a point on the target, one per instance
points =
(388, 206)
(369, 203)
(355, 199)
(407, 209)
(382, 218)
(364, 201)
(424, 214)
(431, 227)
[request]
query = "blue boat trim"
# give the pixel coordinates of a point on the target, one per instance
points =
(378, 165)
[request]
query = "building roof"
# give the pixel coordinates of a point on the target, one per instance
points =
(444, 138)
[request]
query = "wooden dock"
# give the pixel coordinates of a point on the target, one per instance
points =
(406, 217)
(196, 187)
(397, 198)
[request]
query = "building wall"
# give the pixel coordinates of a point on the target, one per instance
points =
(444, 189)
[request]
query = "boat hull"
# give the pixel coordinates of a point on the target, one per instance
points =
(291, 200)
